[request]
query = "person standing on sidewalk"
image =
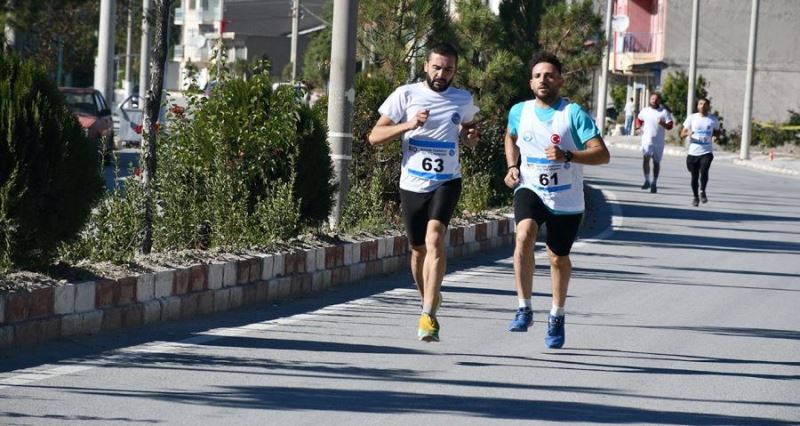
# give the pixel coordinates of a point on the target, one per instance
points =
(629, 110)
(653, 120)
(431, 117)
(700, 127)
(547, 142)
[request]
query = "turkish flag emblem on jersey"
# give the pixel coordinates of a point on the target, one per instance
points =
(555, 139)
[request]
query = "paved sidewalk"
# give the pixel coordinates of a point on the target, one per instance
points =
(779, 164)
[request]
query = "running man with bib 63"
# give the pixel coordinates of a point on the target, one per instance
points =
(431, 117)
(547, 142)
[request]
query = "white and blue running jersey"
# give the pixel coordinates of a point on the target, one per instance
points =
(558, 184)
(702, 129)
(430, 152)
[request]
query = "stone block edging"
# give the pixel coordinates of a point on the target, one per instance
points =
(91, 307)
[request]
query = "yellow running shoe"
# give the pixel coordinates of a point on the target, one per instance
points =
(428, 328)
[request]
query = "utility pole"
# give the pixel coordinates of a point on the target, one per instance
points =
(128, 82)
(602, 90)
(747, 115)
(690, 101)
(104, 63)
(295, 28)
(144, 52)
(341, 98)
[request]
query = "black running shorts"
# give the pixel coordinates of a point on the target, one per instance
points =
(562, 229)
(420, 207)
(699, 163)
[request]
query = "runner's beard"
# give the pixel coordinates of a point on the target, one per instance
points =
(443, 84)
(547, 96)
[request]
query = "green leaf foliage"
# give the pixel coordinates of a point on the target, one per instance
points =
(49, 170)
(675, 90)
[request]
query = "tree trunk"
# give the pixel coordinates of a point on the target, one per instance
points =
(152, 109)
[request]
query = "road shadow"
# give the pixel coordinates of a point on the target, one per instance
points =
(303, 399)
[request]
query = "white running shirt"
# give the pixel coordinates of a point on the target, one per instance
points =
(558, 184)
(702, 129)
(652, 132)
(430, 153)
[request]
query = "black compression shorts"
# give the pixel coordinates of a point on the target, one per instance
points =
(420, 207)
(562, 229)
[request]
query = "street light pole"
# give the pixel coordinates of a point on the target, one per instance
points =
(144, 52)
(105, 49)
(295, 26)
(692, 60)
(126, 85)
(747, 114)
(602, 91)
(341, 97)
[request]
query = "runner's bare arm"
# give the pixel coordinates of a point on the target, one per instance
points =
(512, 160)
(595, 153)
(386, 130)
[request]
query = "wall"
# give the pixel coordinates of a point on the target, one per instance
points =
(724, 27)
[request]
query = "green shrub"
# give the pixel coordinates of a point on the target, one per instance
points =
(475, 195)
(489, 161)
(314, 184)
(373, 197)
(49, 171)
(113, 230)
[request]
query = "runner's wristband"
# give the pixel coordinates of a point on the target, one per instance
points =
(512, 167)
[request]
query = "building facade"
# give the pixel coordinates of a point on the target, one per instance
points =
(245, 29)
(652, 38)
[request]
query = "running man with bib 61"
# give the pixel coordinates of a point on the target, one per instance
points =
(432, 117)
(547, 142)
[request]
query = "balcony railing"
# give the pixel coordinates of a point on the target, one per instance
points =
(638, 42)
(635, 48)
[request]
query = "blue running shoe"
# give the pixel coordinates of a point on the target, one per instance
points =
(554, 338)
(522, 320)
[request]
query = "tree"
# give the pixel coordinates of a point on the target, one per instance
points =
(48, 29)
(574, 33)
(520, 19)
(397, 33)
(674, 92)
(152, 108)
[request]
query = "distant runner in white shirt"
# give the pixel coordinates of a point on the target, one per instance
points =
(700, 128)
(431, 118)
(652, 121)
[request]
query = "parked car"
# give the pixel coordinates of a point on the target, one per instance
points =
(94, 115)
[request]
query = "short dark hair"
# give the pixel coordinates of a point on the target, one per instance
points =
(708, 101)
(547, 57)
(444, 49)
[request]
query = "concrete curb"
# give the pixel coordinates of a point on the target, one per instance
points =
(84, 308)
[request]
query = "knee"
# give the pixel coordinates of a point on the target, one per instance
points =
(525, 237)
(434, 240)
(559, 262)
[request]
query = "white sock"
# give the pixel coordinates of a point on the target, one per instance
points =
(427, 309)
(525, 303)
(557, 311)
(647, 178)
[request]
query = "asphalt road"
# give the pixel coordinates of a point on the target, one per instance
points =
(677, 315)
